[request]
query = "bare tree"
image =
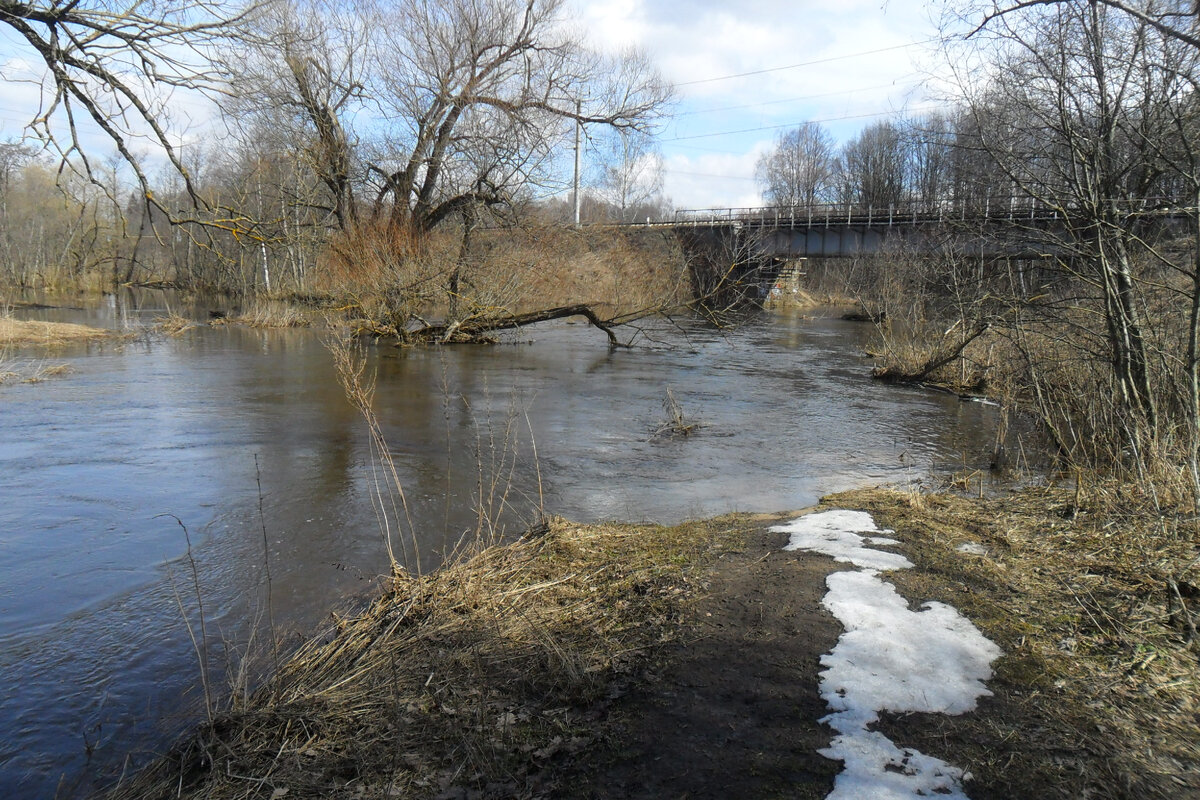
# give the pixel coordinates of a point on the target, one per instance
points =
(442, 105)
(631, 179)
(799, 170)
(1173, 19)
(929, 143)
(873, 167)
(114, 66)
(1088, 108)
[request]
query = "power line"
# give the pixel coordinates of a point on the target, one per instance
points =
(796, 99)
(796, 124)
(807, 63)
(708, 175)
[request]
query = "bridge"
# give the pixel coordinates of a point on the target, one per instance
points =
(745, 248)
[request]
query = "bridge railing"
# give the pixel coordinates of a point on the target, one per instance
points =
(1014, 208)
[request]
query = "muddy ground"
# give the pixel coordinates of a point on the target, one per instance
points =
(732, 709)
(1094, 697)
(621, 661)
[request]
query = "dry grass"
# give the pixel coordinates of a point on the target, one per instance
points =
(173, 324)
(383, 284)
(21, 333)
(29, 370)
(1097, 694)
(272, 313)
(952, 358)
(473, 676)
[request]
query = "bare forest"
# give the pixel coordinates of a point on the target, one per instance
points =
(1074, 125)
(389, 159)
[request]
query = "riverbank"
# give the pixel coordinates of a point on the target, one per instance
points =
(624, 661)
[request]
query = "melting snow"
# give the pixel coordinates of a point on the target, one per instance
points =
(890, 658)
(839, 534)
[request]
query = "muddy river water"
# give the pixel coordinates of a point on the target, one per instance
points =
(96, 667)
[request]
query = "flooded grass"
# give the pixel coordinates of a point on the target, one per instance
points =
(173, 323)
(28, 370)
(20, 333)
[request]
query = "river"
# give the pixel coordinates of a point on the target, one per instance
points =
(98, 671)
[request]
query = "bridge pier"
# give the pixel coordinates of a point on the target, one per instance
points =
(727, 266)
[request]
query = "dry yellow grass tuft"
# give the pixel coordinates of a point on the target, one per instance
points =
(173, 324)
(29, 371)
(16, 332)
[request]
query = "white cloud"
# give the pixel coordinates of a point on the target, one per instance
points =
(708, 180)
(695, 42)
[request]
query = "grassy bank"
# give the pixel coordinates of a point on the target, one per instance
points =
(502, 673)
(27, 335)
(376, 285)
(1097, 694)
(476, 676)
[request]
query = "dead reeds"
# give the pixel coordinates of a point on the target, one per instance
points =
(173, 323)
(388, 498)
(274, 313)
(16, 370)
(677, 423)
(474, 675)
(22, 333)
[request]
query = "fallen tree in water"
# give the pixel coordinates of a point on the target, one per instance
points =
(478, 329)
(896, 373)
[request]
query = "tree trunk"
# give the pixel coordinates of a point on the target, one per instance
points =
(477, 330)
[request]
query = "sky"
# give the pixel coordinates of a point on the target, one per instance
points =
(744, 72)
(846, 63)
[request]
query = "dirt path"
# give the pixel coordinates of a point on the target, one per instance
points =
(733, 711)
(622, 661)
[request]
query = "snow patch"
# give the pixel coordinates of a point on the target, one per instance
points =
(894, 659)
(843, 535)
(877, 769)
(890, 658)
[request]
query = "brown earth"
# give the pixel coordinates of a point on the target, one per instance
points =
(1094, 697)
(731, 710)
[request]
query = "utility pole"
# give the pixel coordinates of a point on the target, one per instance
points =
(578, 155)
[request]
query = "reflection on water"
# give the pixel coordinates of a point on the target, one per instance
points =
(93, 650)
